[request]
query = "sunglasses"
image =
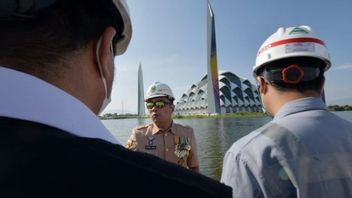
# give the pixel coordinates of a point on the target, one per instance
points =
(157, 104)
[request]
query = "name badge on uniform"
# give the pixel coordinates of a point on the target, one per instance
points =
(150, 145)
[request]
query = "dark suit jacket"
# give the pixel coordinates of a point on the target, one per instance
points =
(40, 161)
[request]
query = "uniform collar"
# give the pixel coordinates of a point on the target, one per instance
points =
(300, 105)
(155, 129)
(29, 98)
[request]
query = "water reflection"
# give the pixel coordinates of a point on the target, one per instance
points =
(214, 136)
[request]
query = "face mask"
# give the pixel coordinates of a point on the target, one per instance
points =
(107, 98)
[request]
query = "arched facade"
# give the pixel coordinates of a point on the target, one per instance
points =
(236, 95)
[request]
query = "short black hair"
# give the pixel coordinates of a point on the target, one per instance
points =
(55, 32)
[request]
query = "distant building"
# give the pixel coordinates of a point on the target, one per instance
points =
(141, 106)
(236, 95)
(212, 66)
(223, 92)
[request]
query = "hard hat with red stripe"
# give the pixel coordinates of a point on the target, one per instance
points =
(290, 42)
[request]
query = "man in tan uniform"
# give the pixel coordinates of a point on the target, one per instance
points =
(164, 138)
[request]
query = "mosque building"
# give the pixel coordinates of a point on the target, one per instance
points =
(236, 95)
(217, 92)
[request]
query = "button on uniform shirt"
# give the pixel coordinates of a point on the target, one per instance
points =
(177, 145)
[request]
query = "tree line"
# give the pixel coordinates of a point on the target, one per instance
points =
(126, 116)
(340, 108)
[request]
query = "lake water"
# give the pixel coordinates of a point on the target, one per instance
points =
(214, 136)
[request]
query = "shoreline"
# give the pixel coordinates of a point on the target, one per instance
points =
(227, 115)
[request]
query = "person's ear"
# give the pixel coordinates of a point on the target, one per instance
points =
(322, 86)
(105, 53)
(263, 86)
(172, 106)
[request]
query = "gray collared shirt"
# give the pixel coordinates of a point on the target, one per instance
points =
(305, 151)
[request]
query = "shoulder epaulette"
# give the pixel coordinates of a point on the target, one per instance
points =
(141, 127)
(185, 126)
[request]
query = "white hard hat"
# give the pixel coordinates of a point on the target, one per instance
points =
(126, 34)
(288, 42)
(158, 89)
(26, 9)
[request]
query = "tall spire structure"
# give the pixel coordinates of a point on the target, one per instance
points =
(212, 77)
(141, 108)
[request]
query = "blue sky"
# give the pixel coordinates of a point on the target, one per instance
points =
(169, 40)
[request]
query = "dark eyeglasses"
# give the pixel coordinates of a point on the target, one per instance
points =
(157, 104)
